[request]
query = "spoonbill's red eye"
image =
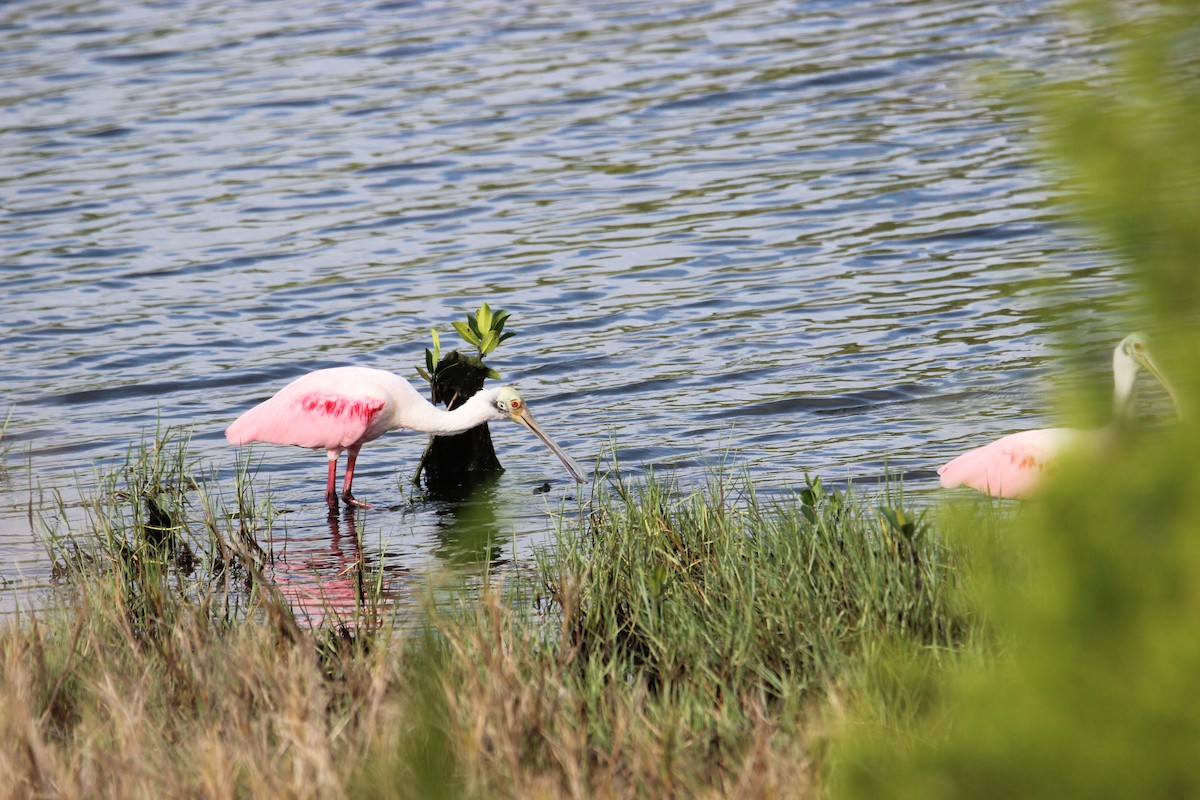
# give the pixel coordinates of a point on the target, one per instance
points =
(515, 404)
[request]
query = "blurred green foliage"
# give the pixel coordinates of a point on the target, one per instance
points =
(1094, 687)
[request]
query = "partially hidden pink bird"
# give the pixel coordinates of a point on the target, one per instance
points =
(1014, 466)
(343, 408)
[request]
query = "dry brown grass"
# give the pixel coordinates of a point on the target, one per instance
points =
(89, 708)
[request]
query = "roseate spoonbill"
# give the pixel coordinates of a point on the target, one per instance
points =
(343, 408)
(1013, 465)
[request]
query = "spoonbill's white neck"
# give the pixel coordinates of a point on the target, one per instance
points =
(1125, 372)
(428, 418)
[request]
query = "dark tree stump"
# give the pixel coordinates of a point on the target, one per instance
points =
(462, 457)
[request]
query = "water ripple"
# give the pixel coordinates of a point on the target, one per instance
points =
(798, 234)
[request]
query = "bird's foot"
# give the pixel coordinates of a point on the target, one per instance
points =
(351, 500)
(331, 500)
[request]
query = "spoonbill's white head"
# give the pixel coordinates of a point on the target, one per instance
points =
(510, 405)
(1130, 357)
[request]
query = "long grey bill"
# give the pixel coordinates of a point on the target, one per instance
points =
(528, 421)
(1152, 367)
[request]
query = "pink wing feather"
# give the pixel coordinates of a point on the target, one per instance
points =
(328, 409)
(1009, 467)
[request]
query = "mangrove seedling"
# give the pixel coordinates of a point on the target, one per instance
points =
(453, 378)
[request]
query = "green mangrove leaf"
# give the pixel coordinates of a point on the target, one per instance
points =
(490, 341)
(484, 318)
(467, 332)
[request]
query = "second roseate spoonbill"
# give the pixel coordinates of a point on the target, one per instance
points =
(343, 408)
(1014, 465)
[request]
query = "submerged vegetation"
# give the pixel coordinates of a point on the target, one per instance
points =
(668, 644)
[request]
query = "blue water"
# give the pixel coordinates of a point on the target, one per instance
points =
(795, 238)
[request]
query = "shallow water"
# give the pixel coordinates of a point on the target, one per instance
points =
(793, 237)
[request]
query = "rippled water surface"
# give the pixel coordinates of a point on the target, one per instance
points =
(800, 237)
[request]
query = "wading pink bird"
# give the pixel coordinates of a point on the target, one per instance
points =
(1013, 466)
(343, 408)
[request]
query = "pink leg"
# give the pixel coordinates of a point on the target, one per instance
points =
(348, 481)
(331, 497)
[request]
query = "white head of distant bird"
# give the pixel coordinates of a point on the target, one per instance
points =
(1130, 357)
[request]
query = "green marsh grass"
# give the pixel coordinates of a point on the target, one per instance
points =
(692, 643)
(665, 643)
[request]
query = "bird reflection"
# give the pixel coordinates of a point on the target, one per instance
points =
(337, 586)
(331, 582)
